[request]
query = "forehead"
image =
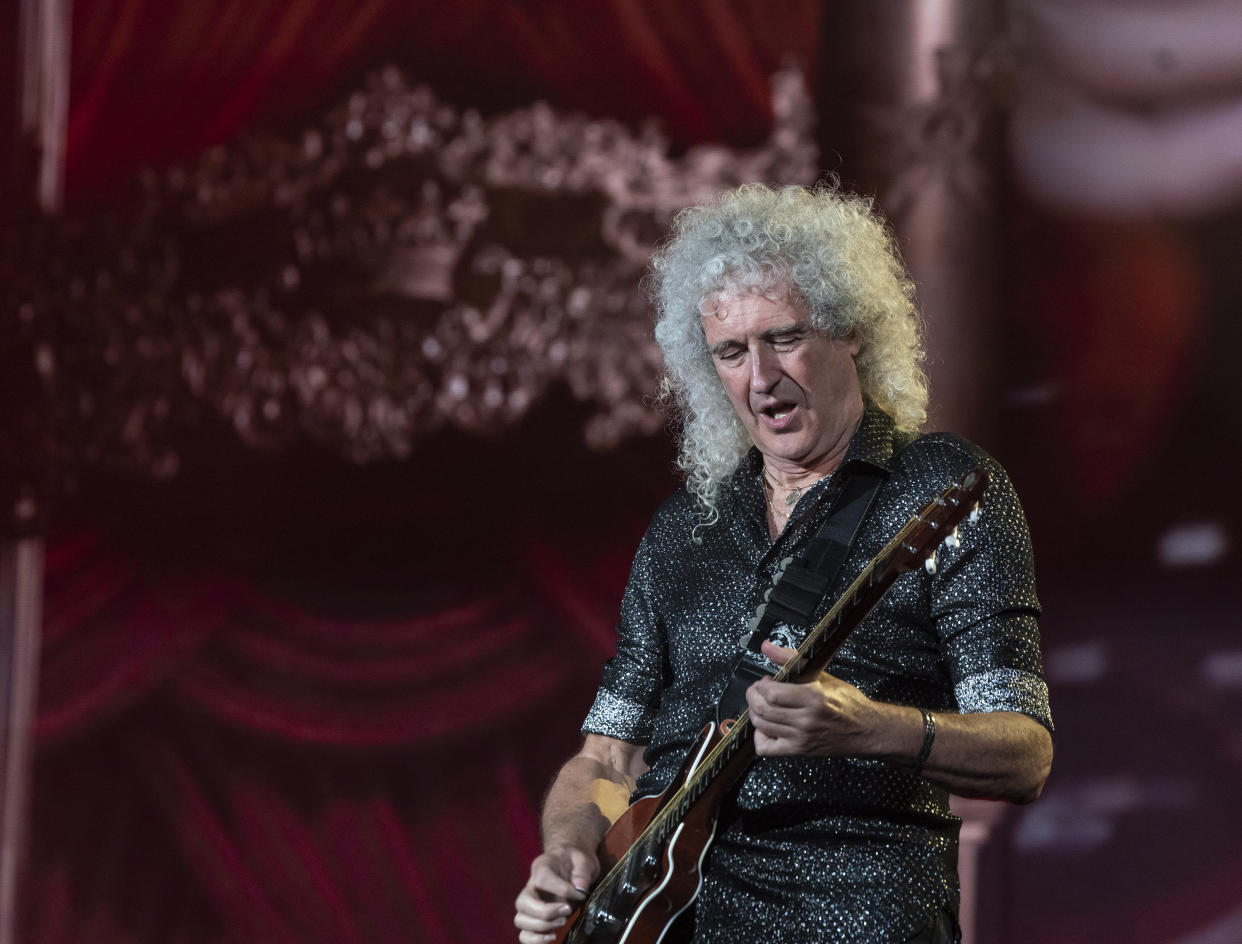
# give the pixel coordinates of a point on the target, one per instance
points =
(747, 313)
(733, 293)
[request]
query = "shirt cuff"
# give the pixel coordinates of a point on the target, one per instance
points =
(619, 718)
(1005, 690)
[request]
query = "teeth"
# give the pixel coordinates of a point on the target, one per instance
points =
(778, 414)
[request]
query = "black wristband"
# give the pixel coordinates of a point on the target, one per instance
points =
(929, 736)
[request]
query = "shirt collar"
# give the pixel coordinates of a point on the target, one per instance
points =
(873, 442)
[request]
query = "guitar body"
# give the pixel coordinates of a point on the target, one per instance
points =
(659, 886)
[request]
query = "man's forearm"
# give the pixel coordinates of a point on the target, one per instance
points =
(582, 804)
(999, 755)
(591, 791)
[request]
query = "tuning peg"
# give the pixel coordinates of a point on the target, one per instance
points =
(974, 513)
(930, 564)
(952, 541)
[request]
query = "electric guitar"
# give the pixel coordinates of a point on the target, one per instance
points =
(650, 859)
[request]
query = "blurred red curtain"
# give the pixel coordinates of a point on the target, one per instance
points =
(220, 762)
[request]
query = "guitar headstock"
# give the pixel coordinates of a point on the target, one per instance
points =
(937, 523)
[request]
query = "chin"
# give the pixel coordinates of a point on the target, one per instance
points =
(783, 449)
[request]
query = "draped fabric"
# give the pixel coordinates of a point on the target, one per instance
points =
(118, 631)
(219, 761)
(288, 699)
(153, 82)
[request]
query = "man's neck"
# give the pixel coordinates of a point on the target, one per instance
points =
(792, 474)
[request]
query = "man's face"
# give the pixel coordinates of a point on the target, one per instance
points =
(795, 388)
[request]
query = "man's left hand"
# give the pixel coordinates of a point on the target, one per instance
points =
(825, 716)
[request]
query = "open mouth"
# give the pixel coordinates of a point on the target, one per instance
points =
(777, 412)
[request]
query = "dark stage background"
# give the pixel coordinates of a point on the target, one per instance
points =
(309, 663)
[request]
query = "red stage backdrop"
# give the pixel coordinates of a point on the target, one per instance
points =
(289, 698)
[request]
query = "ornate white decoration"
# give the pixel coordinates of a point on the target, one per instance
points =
(399, 265)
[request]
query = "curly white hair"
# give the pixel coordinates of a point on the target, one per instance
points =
(833, 252)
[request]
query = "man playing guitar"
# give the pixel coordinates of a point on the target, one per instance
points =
(791, 344)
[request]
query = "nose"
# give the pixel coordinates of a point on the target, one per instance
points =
(764, 369)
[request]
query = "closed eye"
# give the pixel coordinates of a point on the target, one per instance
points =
(785, 341)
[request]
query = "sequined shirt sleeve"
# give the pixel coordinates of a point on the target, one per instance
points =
(628, 698)
(982, 599)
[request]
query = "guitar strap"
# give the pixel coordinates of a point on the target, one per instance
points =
(801, 582)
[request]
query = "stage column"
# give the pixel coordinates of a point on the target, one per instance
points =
(910, 107)
(35, 37)
(21, 597)
(980, 819)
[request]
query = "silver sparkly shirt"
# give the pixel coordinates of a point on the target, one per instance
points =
(842, 848)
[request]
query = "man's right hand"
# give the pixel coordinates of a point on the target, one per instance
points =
(557, 878)
(585, 799)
